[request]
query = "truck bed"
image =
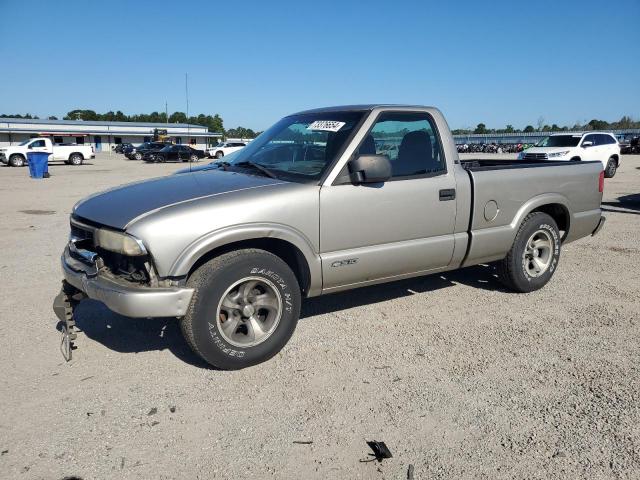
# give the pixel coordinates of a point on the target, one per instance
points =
(502, 191)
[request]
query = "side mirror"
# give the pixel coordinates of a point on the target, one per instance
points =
(370, 169)
(587, 143)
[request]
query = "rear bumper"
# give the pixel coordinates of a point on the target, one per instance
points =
(599, 226)
(123, 297)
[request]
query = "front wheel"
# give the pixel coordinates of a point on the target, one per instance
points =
(612, 166)
(534, 255)
(219, 155)
(244, 309)
(137, 156)
(194, 158)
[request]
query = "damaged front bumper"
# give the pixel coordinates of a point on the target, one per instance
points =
(120, 296)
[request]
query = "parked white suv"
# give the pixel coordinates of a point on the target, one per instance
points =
(225, 148)
(16, 155)
(598, 146)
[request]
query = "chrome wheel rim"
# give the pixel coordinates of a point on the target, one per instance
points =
(249, 312)
(538, 253)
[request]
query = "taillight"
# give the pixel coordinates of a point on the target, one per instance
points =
(601, 182)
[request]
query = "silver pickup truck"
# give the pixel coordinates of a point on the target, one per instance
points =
(325, 200)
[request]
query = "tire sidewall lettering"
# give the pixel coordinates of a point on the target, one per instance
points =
(556, 252)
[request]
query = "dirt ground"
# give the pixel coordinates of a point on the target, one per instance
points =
(460, 378)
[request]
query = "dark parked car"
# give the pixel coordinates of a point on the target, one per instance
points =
(137, 153)
(121, 147)
(178, 153)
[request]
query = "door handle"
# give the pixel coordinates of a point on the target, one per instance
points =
(447, 194)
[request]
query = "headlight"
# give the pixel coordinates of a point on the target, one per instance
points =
(119, 242)
(558, 154)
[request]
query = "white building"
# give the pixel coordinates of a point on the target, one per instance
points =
(103, 136)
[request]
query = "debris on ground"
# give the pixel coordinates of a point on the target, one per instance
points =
(410, 472)
(303, 442)
(172, 409)
(153, 411)
(380, 450)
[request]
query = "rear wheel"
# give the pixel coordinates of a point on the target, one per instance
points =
(137, 156)
(244, 309)
(194, 158)
(534, 255)
(76, 159)
(612, 166)
(16, 160)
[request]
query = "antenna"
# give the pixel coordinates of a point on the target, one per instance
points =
(186, 91)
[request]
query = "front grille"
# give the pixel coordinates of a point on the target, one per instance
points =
(80, 233)
(535, 156)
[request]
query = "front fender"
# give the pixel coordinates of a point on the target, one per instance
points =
(238, 233)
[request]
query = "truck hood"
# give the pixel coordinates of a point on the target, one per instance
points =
(120, 206)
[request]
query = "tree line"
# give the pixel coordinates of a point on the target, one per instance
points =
(214, 123)
(624, 123)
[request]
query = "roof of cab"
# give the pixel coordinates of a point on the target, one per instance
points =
(357, 108)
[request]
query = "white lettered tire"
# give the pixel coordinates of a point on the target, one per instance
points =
(534, 255)
(244, 309)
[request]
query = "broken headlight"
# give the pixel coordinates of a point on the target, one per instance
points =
(119, 242)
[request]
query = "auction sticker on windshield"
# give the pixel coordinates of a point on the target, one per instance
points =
(326, 125)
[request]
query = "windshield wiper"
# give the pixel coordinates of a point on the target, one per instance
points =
(256, 166)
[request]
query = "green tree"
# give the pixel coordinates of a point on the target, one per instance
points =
(481, 128)
(529, 129)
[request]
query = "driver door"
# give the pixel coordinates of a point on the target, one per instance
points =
(397, 228)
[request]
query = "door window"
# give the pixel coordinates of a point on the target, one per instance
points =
(590, 138)
(37, 144)
(410, 142)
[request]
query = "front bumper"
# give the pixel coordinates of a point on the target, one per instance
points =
(3, 158)
(599, 226)
(124, 297)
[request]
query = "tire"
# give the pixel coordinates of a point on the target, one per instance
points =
(224, 279)
(158, 158)
(612, 166)
(16, 160)
(137, 156)
(219, 155)
(76, 159)
(194, 158)
(518, 271)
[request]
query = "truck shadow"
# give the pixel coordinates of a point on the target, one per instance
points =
(627, 202)
(479, 276)
(135, 335)
(131, 335)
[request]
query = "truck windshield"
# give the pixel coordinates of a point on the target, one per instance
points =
(559, 141)
(300, 148)
(25, 142)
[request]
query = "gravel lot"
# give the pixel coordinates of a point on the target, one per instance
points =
(460, 378)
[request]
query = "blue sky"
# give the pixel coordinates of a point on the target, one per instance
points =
(500, 62)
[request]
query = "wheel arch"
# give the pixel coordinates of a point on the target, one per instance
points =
(554, 205)
(290, 246)
(75, 153)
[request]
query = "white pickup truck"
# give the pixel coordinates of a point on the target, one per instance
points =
(16, 155)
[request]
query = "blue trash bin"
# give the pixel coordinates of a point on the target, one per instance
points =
(38, 164)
